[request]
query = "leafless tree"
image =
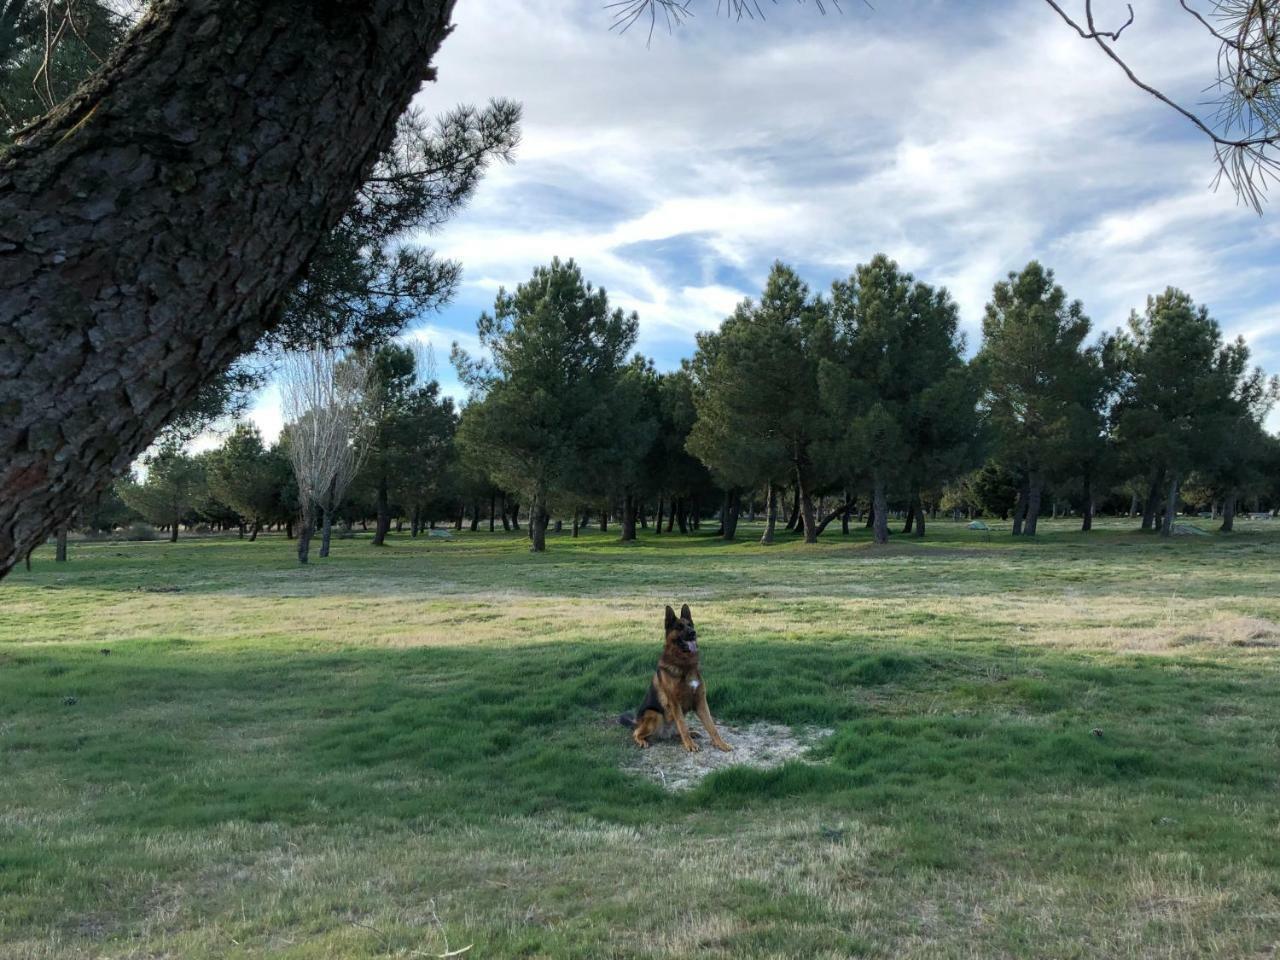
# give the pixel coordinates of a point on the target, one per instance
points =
(324, 397)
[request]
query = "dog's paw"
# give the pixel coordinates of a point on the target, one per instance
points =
(721, 745)
(642, 744)
(692, 747)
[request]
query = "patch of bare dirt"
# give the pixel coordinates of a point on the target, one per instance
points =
(759, 745)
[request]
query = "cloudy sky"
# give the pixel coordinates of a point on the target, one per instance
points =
(960, 139)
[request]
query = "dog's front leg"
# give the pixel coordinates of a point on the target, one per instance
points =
(683, 728)
(704, 714)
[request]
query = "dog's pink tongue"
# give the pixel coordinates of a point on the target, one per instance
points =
(693, 646)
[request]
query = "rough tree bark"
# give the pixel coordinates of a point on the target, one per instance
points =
(150, 225)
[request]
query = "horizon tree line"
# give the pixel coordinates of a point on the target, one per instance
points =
(816, 407)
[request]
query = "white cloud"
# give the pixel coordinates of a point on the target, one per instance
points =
(961, 139)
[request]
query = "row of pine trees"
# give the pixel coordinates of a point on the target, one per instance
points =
(856, 401)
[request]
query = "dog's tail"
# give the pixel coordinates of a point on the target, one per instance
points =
(627, 720)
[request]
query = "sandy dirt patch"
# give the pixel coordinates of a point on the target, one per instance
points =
(758, 745)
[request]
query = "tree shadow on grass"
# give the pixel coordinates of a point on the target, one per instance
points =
(164, 736)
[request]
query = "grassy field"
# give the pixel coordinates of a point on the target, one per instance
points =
(1064, 748)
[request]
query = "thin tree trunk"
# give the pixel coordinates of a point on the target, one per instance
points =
(1086, 522)
(794, 518)
(771, 520)
(913, 505)
(1171, 508)
(682, 518)
(575, 523)
(384, 514)
(1133, 505)
(253, 531)
(1035, 490)
(604, 519)
(288, 529)
(475, 515)
(806, 508)
(881, 507)
(506, 521)
(515, 516)
(657, 527)
(848, 510)
(493, 498)
(920, 515)
(152, 224)
(240, 535)
(173, 532)
(1229, 513)
(304, 535)
(60, 550)
(326, 529)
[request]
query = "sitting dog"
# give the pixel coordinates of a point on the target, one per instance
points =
(675, 689)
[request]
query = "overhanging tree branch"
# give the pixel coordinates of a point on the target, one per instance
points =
(1247, 117)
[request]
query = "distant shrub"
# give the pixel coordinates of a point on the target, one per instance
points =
(140, 531)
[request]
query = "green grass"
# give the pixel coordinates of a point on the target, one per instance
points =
(393, 747)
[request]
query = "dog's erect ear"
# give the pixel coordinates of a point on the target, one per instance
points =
(671, 618)
(685, 614)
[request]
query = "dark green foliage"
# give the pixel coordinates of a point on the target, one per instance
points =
(547, 394)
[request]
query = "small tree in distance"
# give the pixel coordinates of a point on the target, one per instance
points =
(541, 413)
(324, 396)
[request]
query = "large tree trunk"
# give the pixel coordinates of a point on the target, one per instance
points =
(771, 521)
(152, 223)
(880, 504)
(1153, 499)
(1171, 507)
(628, 518)
(384, 514)
(1229, 513)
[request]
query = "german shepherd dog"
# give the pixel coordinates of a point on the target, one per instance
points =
(676, 688)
